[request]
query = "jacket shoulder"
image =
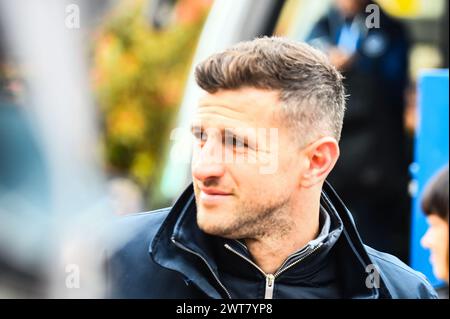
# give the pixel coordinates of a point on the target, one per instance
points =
(401, 280)
(143, 226)
(128, 268)
(150, 218)
(132, 234)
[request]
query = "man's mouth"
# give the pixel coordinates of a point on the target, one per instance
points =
(212, 195)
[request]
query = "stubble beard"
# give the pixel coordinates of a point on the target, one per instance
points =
(254, 221)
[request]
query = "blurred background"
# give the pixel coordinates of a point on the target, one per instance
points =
(94, 96)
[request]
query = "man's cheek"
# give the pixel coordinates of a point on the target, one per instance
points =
(269, 159)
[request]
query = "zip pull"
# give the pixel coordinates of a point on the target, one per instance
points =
(270, 283)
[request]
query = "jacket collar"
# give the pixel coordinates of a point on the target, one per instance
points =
(186, 250)
(181, 246)
(353, 257)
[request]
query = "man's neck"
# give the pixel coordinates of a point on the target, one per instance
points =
(269, 252)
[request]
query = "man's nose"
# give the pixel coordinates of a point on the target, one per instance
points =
(207, 162)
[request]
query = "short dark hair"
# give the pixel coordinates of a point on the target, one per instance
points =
(435, 195)
(310, 87)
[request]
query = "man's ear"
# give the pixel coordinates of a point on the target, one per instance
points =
(322, 155)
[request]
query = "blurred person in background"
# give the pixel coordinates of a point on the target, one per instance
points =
(435, 206)
(372, 174)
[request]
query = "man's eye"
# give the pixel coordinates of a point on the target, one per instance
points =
(200, 136)
(235, 142)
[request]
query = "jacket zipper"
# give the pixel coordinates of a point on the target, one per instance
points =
(270, 283)
(282, 270)
(270, 278)
(241, 244)
(205, 261)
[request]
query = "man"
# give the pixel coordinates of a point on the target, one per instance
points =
(259, 220)
(374, 61)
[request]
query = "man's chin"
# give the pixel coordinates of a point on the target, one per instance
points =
(213, 230)
(213, 227)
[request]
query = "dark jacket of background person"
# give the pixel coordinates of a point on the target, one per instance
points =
(371, 174)
(170, 257)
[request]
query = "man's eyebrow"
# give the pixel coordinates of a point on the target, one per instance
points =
(231, 131)
(196, 127)
(223, 131)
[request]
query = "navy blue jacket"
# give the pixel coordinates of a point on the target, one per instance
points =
(168, 256)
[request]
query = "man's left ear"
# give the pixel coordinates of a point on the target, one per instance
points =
(322, 155)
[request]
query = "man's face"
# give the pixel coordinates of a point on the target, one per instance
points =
(245, 163)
